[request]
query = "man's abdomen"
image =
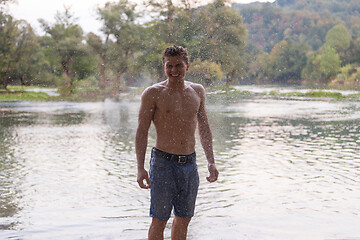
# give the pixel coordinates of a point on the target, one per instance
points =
(176, 142)
(175, 132)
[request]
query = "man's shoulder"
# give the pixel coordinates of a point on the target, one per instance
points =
(192, 84)
(197, 87)
(153, 89)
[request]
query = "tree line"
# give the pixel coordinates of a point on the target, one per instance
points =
(313, 42)
(220, 39)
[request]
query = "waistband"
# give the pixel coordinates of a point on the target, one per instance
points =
(181, 159)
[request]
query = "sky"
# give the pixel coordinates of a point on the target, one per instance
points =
(84, 10)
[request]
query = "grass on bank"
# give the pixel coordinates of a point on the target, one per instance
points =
(23, 95)
(95, 94)
(87, 94)
(319, 94)
(223, 90)
(20, 87)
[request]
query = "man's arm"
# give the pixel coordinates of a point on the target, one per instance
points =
(146, 114)
(206, 137)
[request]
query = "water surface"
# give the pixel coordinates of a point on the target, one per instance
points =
(289, 169)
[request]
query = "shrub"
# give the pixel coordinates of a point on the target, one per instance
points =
(204, 72)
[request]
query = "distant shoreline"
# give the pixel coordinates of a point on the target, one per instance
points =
(35, 93)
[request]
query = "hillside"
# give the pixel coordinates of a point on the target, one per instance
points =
(270, 23)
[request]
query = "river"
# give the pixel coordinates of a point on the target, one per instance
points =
(289, 169)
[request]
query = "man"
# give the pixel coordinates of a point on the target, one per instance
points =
(175, 106)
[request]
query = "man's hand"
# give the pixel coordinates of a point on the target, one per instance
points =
(141, 176)
(213, 173)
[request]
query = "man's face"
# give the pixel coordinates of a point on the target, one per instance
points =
(175, 67)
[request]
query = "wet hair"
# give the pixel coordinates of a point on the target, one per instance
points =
(176, 51)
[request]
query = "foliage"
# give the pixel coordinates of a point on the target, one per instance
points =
(204, 72)
(322, 66)
(346, 10)
(268, 25)
(337, 7)
(338, 38)
(273, 26)
(24, 96)
(286, 61)
(232, 94)
(352, 54)
(119, 23)
(263, 42)
(348, 78)
(99, 48)
(151, 52)
(31, 65)
(313, 94)
(64, 44)
(212, 33)
(8, 34)
(221, 38)
(328, 62)
(176, 25)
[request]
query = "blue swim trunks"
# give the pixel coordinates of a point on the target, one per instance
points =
(174, 183)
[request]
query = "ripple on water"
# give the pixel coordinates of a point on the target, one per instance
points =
(288, 170)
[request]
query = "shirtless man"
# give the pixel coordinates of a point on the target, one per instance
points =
(175, 106)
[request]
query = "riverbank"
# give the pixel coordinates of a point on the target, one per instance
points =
(27, 93)
(19, 93)
(286, 92)
(40, 94)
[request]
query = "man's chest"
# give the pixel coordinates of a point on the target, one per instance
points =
(178, 104)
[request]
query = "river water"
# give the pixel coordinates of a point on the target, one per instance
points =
(289, 169)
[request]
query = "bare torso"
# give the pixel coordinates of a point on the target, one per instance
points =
(175, 117)
(176, 107)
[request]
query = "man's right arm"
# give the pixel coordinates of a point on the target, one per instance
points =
(146, 114)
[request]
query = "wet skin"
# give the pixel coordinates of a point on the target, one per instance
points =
(175, 117)
(176, 107)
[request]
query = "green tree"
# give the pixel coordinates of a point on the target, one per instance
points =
(268, 24)
(64, 41)
(212, 33)
(322, 66)
(221, 38)
(258, 67)
(329, 62)
(286, 61)
(167, 11)
(8, 36)
(100, 48)
(171, 25)
(29, 59)
(173, 17)
(206, 72)
(152, 48)
(22, 60)
(338, 38)
(119, 22)
(352, 54)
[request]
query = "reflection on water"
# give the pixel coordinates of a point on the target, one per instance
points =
(289, 170)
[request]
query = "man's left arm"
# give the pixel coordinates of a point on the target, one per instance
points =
(206, 137)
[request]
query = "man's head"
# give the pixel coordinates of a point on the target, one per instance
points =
(175, 63)
(176, 51)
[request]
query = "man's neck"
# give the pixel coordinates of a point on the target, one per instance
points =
(176, 85)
